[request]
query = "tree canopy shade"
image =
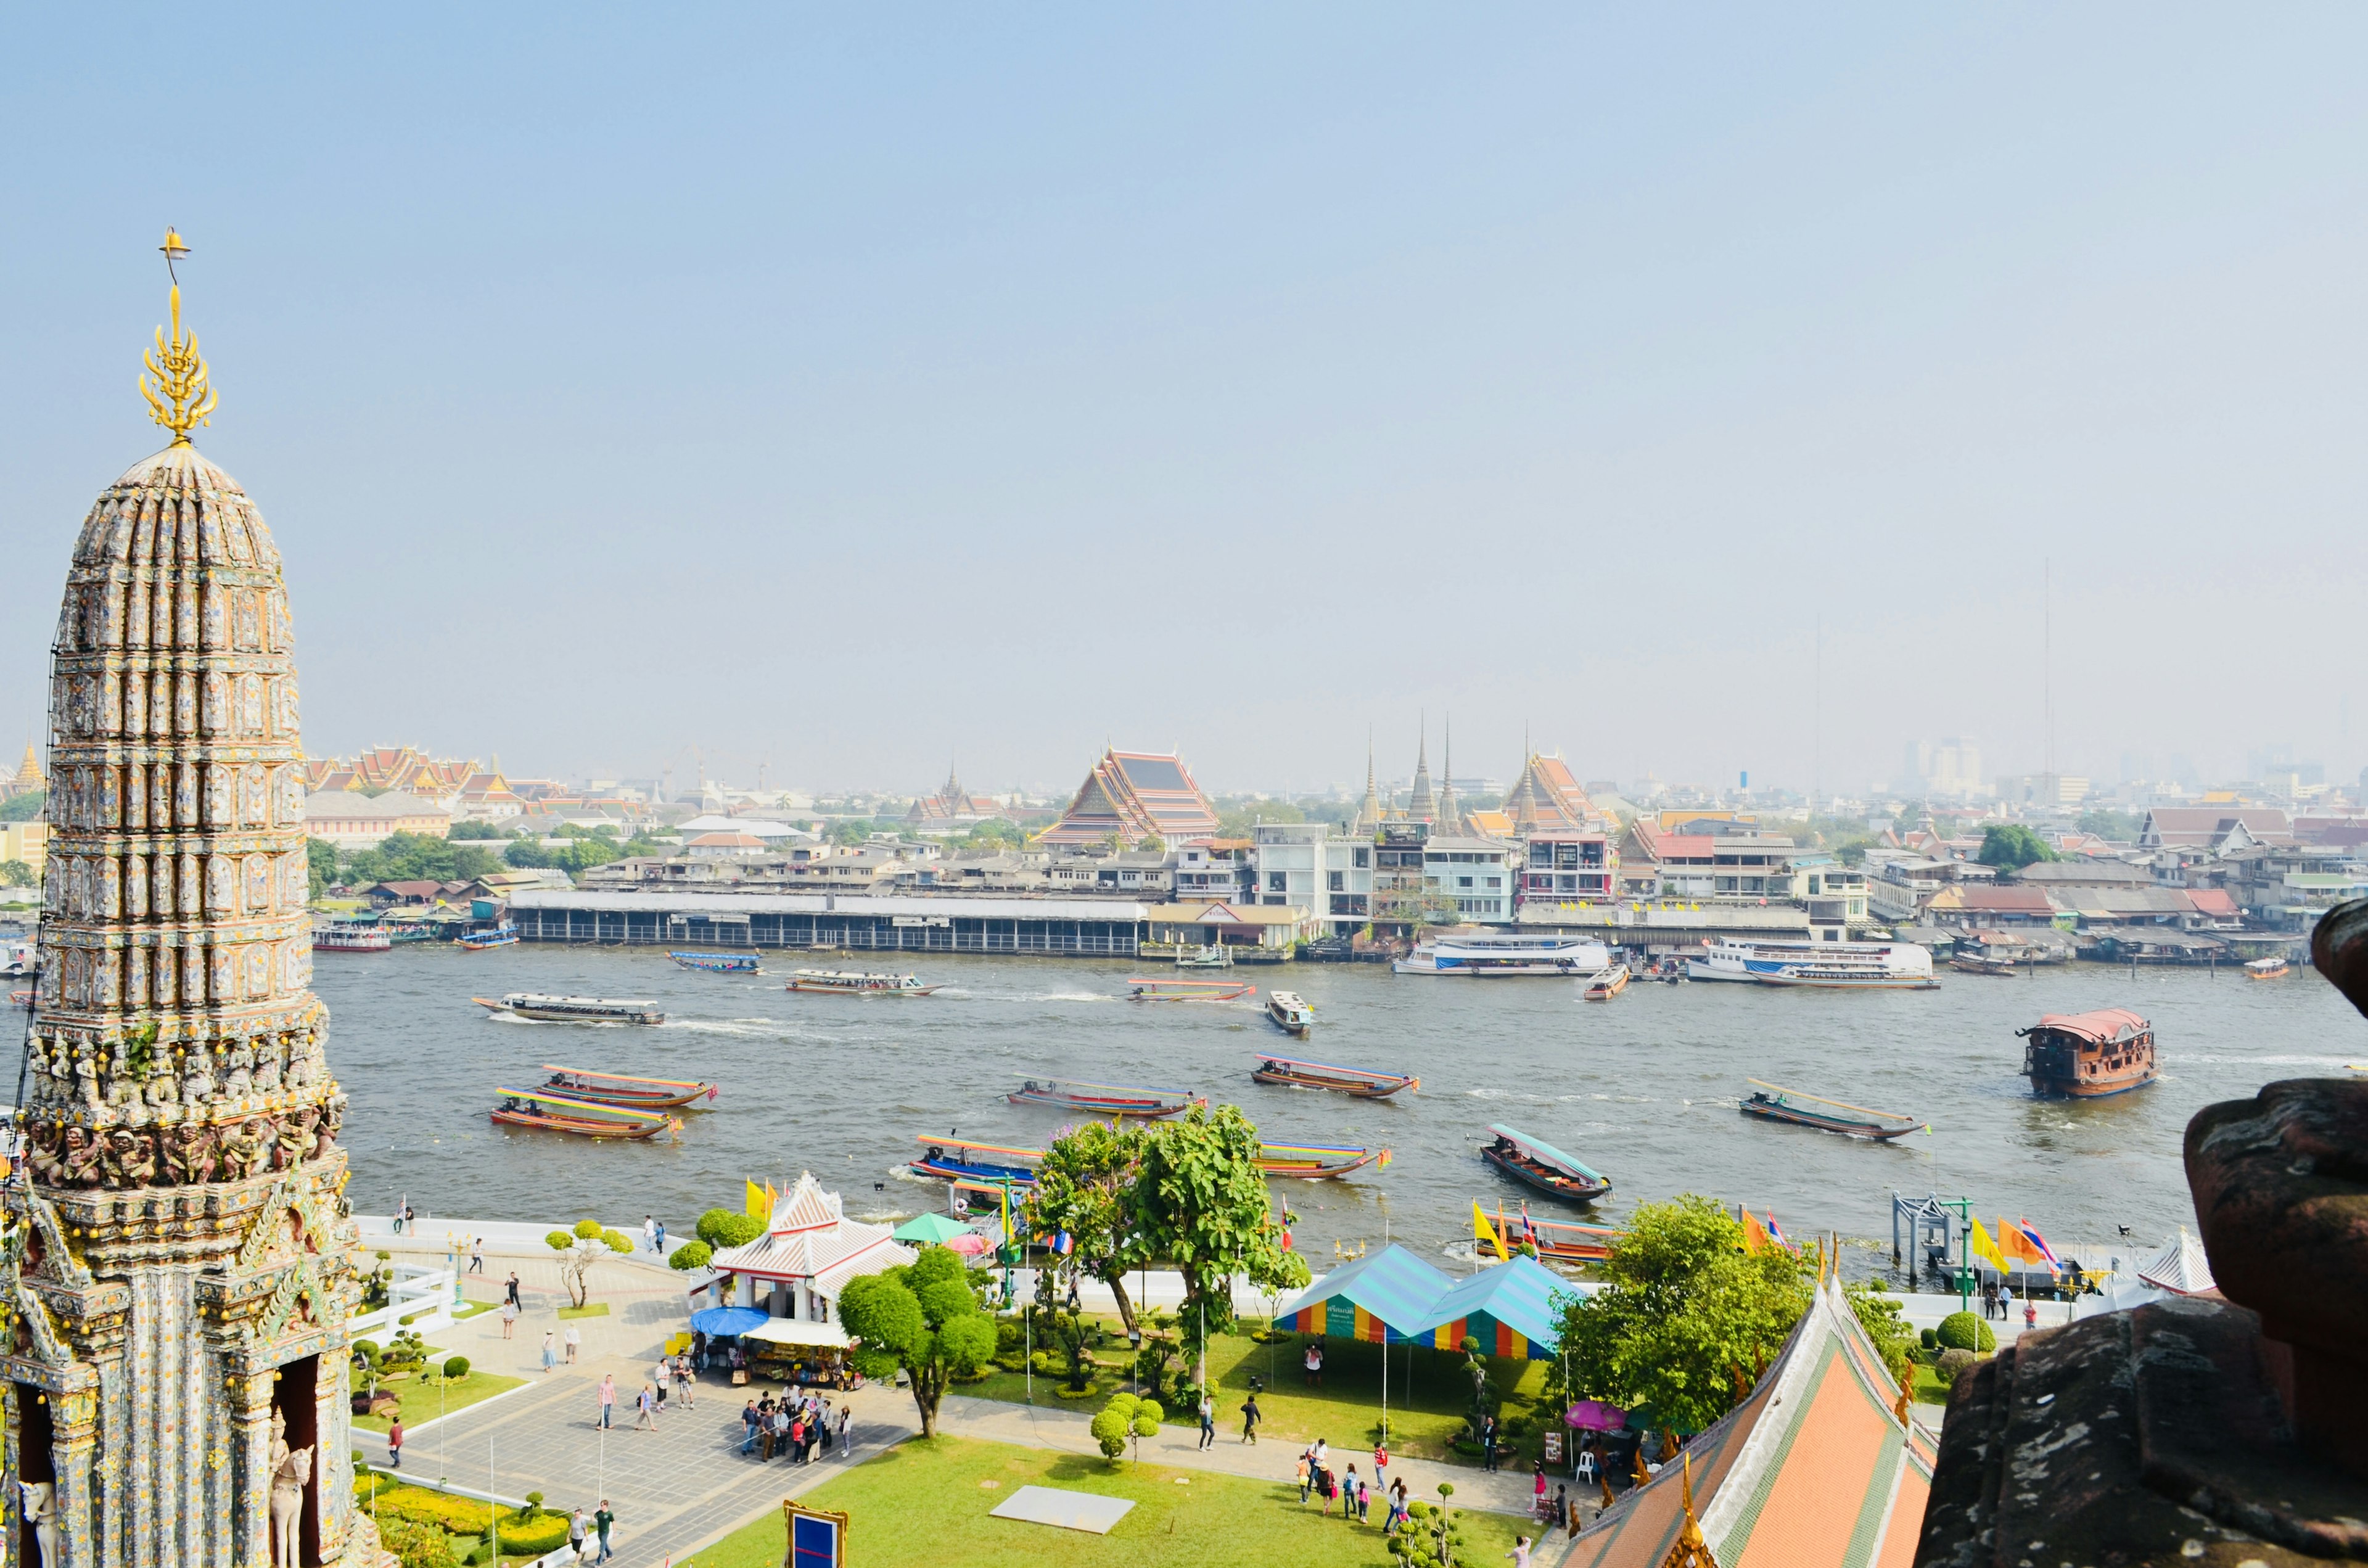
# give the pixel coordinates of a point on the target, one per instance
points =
(2011, 847)
(1083, 1187)
(1689, 1319)
(921, 1318)
(24, 807)
(410, 857)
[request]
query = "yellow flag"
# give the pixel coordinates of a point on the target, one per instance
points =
(1755, 1234)
(1984, 1248)
(757, 1204)
(1483, 1231)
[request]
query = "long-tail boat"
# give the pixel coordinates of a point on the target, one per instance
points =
(615, 1088)
(1556, 1239)
(1188, 990)
(719, 963)
(1290, 1012)
(554, 1113)
(1543, 1167)
(1771, 1102)
(1104, 1099)
(1363, 1082)
(1315, 1162)
(987, 1165)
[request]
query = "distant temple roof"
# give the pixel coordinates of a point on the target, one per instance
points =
(1815, 1468)
(1547, 796)
(953, 805)
(1136, 794)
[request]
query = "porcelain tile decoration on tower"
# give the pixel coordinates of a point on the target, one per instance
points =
(177, 1267)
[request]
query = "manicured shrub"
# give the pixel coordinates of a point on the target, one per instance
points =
(1952, 1364)
(721, 1228)
(545, 1532)
(415, 1545)
(690, 1255)
(368, 1350)
(1929, 1338)
(1963, 1331)
(1123, 1417)
(456, 1367)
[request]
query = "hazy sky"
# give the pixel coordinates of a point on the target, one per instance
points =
(846, 389)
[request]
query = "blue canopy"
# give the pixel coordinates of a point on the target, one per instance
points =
(1509, 1307)
(1383, 1298)
(1394, 1297)
(723, 1322)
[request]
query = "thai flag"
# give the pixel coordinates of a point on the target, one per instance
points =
(2039, 1244)
(1528, 1227)
(1776, 1231)
(1064, 1244)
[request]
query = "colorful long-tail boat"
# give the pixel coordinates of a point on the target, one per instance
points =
(1362, 1082)
(585, 1119)
(719, 963)
(1104, 1099)
(1315, 1162)
(1543, 1167)
(616, 1089)
(985, 1165)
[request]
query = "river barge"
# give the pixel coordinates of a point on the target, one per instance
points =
(1832, 966)
(1494, 956)
(2088, 1055)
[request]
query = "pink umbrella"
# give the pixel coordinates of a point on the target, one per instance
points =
(971, 1242)
(1594, 1416)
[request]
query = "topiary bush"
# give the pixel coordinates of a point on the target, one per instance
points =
(721, 1228)
(416, 1545)
(690, 1255)
(456, 1367)
(1963, 1331)
(1929, 1338)
(1123, 1417)
(1955, 1363)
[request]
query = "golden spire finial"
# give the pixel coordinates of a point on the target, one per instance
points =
(1690, 1551)
(180, 400)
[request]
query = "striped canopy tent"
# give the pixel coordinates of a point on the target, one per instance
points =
(1384, 1297)
(1509, 1309)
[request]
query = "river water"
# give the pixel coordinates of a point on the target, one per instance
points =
(1642, 1088)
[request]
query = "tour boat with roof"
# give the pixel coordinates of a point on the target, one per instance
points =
(1496, 954)
(1317, 1162)
(1606, 983)
(502, 936)
(618, 1089)
(582, 1117)
(2272, 967)
(1104, 1099)
(573, 1009)
(850, 982)
(1188, 990)
(1771, 1102)
(985, 1165)
(1543, 1167)
(344, 937)
(1362, 1082)
(1290, 1012)
(719, 963)
(1833, 966)
(2088, 1055)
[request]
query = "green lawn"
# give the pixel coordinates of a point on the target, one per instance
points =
(1430, 1391)
(429, 1398)
(592, 1310)
(925, 1504)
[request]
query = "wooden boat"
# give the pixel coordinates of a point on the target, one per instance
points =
(1557, 1241)
(1290, 1012)
(1981, 963)
(585, 1119)
(1607, 983)
(1363, 1082)
(21, 998)
(574, 1009)
(1104, 1099)
(346, 939)
(1316, 1161)
(719, 963)
(1543, 1167)
(1188, 990)
(500, 936)
(985, 1166)
(849, 982)
(2267, 969)
(2088, 1055)
(615, 1088)
(1773, 1103)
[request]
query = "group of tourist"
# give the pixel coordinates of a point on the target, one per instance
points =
(798, 1425)
(1352, 1492)
(1997, 1302)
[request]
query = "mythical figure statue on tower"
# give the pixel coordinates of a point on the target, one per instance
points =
(176, 1264)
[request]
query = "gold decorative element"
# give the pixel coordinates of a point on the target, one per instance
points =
(180, 400)
(1690, 1549)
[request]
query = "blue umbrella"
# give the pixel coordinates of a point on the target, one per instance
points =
(723, 1322)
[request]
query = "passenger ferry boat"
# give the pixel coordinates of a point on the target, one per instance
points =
(848, 982)
(1519, 952)
(1838, 966)
(573, 1009)
(347, 938)
(2088, 1055)
(2266, 969)
(1290, 1012)
(500, 936)
(1607, 983)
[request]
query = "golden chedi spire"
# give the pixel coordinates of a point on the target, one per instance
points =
(180, 399)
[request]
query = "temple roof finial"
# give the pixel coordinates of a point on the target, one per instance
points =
(181, 399)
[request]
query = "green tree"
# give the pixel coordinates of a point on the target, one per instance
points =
(2010, 846)
(481, 831)
(1238, 819)
(1878, 1313)
(722, 1228)
(579, 1249)
(1124, 1417)
(1689, 1319)
(321, 862)
(1084, 1186)
(410, 857)
(17, 874)
(2118, 827)
(528, 853)
(922, 1319)
(24, 807)
(1201, 1203)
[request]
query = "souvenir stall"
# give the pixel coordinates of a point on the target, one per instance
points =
(792, 1276)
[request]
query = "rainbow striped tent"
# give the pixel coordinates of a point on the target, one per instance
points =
(1394, 1297)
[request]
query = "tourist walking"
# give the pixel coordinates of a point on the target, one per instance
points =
(1488, 1443)
(661, 1240)
(1250, 1418)
(571, 1338)
(509, 1319)
(1521, 1552)
(645, 1415)
(1381, 1464)
(682, 1381)
(2029, 1313)
(1349, 1491)
(649, 1234)
(399, 1205)
(394, 1442)
(476, 1255)
(510, 1291)
(1364, 1503)
(600, 1523)
(576, 1530)
(1399, 1514)
(607, 1399)
(1306, 1476)
(549, 1352)
(1208, 1421)
(1538, 1488)
(846, 1421)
